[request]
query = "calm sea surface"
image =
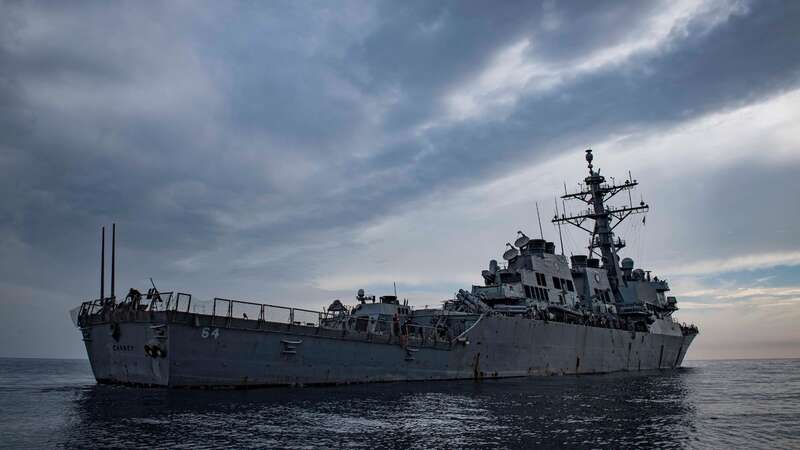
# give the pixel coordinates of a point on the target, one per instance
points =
(709, 404)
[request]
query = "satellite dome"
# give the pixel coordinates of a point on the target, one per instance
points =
(627, 264)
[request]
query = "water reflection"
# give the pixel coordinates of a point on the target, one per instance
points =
(715, 404)
(619, 410)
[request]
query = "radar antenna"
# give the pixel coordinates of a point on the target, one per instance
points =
(522, 240)
(511, 253)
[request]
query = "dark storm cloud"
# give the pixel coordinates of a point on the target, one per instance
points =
(233, 140)
(734, 65)
(289, 98)
(427, 47)
(701, 72)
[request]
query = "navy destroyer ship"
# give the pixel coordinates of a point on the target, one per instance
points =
(537, 313)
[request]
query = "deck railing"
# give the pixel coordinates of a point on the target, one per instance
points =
(161, 301)
(227, 310)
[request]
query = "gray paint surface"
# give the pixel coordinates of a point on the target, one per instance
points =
(239, 355)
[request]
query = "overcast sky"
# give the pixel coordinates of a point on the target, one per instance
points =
(293, 152)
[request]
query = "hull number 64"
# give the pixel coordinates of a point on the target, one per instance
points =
(206, 332)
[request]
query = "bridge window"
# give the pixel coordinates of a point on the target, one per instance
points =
(510, 278)
(570, 287)
(557, 282)
(541, 280)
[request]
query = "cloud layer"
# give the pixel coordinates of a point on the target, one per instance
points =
(294, 152)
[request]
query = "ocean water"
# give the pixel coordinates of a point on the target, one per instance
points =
(708, 404)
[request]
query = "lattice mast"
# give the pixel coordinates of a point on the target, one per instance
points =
(595, 193)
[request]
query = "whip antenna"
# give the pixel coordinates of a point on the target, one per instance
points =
(541, 233)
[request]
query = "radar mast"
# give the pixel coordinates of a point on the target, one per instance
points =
(595, 194)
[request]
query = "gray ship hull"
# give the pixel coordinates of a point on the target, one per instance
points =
(239, 353)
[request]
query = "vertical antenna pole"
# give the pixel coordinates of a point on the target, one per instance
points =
(113, 256)
(395, 288)
(103, 264)
(630, 179)
(541, 233)
(560, 239)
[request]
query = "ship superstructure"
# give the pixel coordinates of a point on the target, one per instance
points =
(597, 286)
(535, 314)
